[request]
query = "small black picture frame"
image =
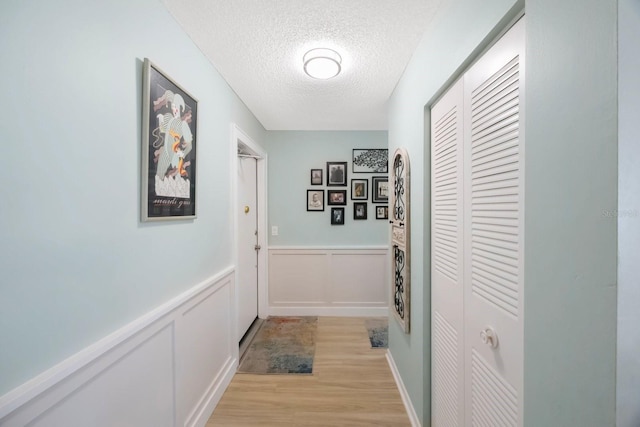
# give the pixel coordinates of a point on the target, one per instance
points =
(316, 176)
(336, 174)
(382, 212)
(315, 200)
(380, 189)
(359, 189)
(336, 197)
(337, 216)
(360, 210)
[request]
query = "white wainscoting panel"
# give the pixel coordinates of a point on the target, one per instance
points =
(205, 344)
(167, 368)
(329, 281)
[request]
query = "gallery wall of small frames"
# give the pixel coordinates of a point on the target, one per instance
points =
(335, 176)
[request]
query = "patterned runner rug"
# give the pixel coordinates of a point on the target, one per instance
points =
(283, 345)
(378, 330)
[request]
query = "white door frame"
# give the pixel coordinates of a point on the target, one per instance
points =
(239, 139)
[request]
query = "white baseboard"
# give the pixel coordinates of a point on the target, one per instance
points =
(181, 356)
(329, 311)
(411, 412)
(214, 393)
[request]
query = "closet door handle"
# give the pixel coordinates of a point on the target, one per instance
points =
(489, 337)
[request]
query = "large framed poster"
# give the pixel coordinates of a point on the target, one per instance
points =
(169, 129)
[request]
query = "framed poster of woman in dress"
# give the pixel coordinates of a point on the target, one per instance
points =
(169, 130)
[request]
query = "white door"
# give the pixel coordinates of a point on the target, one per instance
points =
(494, 224)
(477, 149)
(447, 279)
(247, 285)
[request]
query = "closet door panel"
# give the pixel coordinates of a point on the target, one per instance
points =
(447, 254)
(493, 224)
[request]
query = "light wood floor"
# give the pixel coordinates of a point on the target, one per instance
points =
(351, 385)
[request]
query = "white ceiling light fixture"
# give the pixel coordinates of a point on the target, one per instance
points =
(322, 63)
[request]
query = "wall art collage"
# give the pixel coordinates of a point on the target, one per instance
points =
(334, 176)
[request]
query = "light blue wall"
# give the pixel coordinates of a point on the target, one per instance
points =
(291, 156)
(75, 262)
(570, 223)
(628, 214)
(457, 31)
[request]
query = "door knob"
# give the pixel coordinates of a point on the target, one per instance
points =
(246, 209)
(489, 337)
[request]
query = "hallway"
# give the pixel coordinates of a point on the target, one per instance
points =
(351, 384)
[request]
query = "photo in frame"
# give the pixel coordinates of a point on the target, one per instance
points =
(337, 216)
(359, 189)
(316, 176)
(315, 200)
(370, 160)
(169, 135)
(337, 174)
(360, 210)
(380, 189)
(382, 212)
(337, 197)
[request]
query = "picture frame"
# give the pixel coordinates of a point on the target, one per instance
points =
(316, 177)
(380, 189)
(359, 189)
(169, 142)
(337, 216)
(360, 210)
(382, 212)
(336, 174)
(336, 197)
(370, 160)
(315, 200)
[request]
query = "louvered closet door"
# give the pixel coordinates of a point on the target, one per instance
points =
(447, 334)
(493, 157)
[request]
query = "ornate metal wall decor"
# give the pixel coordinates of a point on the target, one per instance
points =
(400, 238)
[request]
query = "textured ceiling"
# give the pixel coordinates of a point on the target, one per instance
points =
(258, 45)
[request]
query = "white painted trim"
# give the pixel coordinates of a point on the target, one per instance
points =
(404, 394)
(329, 311)
(330, 248)
(213, 395)
(34, 387)
(237, 134)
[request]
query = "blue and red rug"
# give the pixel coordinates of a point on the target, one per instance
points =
(283, 345)
(378, 330)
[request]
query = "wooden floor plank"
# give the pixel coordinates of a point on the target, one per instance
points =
(351, 385)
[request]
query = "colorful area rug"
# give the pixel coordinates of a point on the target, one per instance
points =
(378, 330)
(283, 345)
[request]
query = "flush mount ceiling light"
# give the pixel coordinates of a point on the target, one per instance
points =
(322, 63)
